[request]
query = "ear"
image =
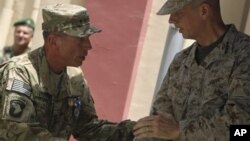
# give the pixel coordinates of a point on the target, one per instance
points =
(53, 41)
(204, 10)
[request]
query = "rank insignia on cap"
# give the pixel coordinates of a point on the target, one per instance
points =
(16, 108)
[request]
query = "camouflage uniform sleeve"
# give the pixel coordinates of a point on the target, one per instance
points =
(17, 111)
(89, 127)
(161, 101)
(5, 54)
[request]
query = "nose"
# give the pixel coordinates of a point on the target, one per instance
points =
(87, 44)
(171, 19)
(19, 34)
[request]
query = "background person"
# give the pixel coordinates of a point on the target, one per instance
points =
(23, 33)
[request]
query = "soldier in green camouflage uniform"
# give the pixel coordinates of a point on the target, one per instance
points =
(207, 87)
(23, 33)
(43, 94)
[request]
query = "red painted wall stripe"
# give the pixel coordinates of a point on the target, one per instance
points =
(109, 65)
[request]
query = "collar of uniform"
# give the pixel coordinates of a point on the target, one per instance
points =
(221, 52)
(218, 53)
(190, 55)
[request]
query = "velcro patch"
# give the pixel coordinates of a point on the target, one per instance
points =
(19, 86)
(16, 108)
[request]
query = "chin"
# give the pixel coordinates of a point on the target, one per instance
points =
(78, 64)
(186, 36)
(21, 44)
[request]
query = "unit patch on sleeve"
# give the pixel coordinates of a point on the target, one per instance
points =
(19, 86)
(16, 108)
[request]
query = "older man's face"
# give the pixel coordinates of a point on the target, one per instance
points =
(22, 35)
(74, 50)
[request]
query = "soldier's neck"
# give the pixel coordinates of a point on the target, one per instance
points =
(54, 63)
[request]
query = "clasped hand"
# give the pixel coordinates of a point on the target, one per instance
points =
(162, 125)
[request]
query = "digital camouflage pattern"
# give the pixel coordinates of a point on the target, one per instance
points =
(172, 6)
(206, 99)
(38, 105)
(70, 19)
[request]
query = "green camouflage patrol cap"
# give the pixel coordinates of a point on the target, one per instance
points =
(26, 21)
(69, 19)
(172, 6)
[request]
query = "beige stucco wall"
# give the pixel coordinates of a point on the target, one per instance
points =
(5, 19)
(232, 11)
(247, 28)
(1, 4)
(149, 64)
(20, 10)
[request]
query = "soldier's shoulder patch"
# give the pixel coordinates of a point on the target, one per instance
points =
(18, 86)
(16, 108)
(2, 139)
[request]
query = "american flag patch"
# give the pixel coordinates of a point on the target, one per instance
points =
(21, 87)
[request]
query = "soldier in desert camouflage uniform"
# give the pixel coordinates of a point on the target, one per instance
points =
(23, 33)
(207, 87)
(43, 94)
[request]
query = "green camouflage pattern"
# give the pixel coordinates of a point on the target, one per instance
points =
(70, 19)
(38, 105)
(8, 53)
(172, 6)
(206, 99)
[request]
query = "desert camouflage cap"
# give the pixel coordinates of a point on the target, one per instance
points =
(70, 19)
(174, 5)
(26, 21)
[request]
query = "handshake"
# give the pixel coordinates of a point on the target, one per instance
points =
(160, 125)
